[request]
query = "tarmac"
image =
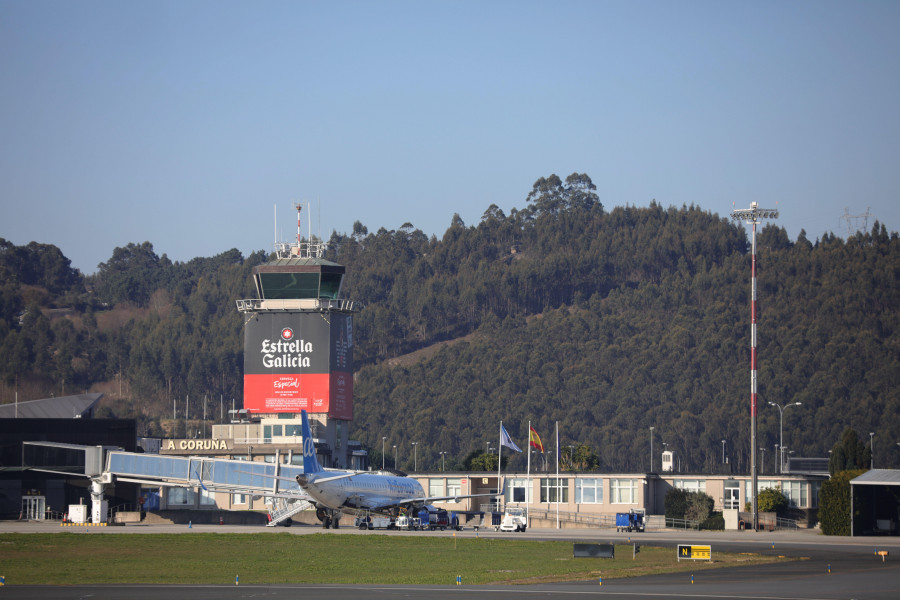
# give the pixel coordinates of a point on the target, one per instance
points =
(831, 568)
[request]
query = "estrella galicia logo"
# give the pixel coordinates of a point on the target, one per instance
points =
(287, 334)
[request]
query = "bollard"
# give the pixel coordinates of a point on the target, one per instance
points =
(459, 580)
(692, 579)
(601, 580)
(189, 525)
(2, 580)
(237, 579)
(829, 567)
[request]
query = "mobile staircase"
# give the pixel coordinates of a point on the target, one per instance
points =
(282, 509)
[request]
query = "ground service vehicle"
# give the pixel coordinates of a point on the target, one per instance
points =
(374, 522)
(633, 520)
(405, 522)
(513, 520)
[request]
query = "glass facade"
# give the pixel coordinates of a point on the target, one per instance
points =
(589, 490)
(517, 490)
(690, 485)
(623, 491)
(554, 490)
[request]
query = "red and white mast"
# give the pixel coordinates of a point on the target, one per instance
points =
(752, 216)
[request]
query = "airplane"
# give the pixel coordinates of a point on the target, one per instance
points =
(336, 492)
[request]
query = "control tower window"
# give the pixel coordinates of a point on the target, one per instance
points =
(331, 285)
(281, 286)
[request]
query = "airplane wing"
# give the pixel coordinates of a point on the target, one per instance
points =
(381, 503)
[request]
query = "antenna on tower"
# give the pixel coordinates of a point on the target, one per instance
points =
(299, 248)
(853, 221)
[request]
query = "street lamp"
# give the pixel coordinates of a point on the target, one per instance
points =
(442, 461)
(415, 446)
(382, 452)
(781, 414)
(395, 457)
(723, 452)
(871, 450)
(762, 466)
(651, 448)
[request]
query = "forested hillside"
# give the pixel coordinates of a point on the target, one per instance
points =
(608, 321)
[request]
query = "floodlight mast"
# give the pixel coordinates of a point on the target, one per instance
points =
(752, 216)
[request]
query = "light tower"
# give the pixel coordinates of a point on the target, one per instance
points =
(752, 216)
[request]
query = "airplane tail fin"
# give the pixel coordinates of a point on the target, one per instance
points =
(310, 462)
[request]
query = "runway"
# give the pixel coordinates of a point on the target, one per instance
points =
(830, 568)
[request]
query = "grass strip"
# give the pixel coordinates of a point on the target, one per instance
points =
(211, 558)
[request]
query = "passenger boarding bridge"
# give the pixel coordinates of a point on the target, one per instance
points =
(210, 474)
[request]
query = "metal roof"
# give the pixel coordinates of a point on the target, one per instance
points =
(878, 477)
(64, 407)
(296, 261)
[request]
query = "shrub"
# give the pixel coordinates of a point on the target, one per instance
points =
(682, 504)
(699, 507)
(772, 500)
(834, 503)
(715, 522)
(676, 503)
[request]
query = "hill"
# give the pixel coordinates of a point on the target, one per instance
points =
(610, 322)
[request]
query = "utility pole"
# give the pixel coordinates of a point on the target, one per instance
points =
(752, 216)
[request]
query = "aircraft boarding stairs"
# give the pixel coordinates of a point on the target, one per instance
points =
(283, 509)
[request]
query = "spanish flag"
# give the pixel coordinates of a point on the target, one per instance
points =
(535, 440)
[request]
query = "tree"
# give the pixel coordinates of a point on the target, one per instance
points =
(699, 507)
(580, 458)
(132, 274)
(676, 503)
(486, 462)
(772, 500)
(849, 453)
(834, 503)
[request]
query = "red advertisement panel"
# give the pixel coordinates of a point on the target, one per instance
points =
(297, 361)
(273, 393)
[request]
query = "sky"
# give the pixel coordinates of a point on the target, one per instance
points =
(192, 124)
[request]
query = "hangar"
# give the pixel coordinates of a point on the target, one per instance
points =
(875, 503)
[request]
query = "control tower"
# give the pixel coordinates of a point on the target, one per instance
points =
(298, 346)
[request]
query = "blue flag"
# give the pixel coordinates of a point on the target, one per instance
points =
(200, 481)
(505, 440)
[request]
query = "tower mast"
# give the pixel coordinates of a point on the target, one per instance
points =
(752, 216)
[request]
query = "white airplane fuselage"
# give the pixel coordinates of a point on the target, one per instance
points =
(365, 491)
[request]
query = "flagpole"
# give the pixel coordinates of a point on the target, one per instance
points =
(499, 451)
(528, 477)
(558, 490)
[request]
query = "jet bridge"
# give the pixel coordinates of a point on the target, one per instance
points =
(215, 475)
(211, 474)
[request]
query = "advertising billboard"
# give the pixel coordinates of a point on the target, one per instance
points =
(297, 361)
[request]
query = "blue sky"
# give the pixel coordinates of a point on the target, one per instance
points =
(186, 123)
